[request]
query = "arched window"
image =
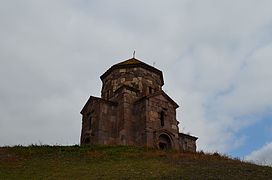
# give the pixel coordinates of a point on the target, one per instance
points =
(150, 90)
(162, 114)
(109, 93)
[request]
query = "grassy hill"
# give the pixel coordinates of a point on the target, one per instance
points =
(120, 162)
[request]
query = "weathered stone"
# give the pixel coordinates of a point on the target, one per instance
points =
(133, 110)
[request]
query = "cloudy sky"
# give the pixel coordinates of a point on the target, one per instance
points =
(216, 56)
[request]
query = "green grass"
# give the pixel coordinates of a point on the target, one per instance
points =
(120, 162)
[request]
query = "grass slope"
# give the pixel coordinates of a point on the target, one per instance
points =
(120, 162)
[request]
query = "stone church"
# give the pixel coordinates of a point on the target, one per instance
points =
(133, 110)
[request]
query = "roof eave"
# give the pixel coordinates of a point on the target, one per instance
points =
(97, 98)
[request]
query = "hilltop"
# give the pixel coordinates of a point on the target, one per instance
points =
(121, 162)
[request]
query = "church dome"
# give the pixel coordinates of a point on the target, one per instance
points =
(132, 63)
(133, 73)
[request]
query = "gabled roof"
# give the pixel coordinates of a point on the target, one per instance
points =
(160, 93)
(131, 63)
(92, 98)
(187, 136)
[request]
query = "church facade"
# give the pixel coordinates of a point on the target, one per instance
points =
(133, 110)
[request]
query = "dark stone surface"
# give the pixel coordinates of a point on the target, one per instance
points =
(133, 110)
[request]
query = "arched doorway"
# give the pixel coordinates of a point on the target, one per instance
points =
(86, 140)
(164, 142)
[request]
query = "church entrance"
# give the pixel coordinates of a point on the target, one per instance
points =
(164, 142)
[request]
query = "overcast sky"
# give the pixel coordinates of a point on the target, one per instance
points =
(216, 56)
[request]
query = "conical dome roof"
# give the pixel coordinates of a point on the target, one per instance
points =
(132, 63)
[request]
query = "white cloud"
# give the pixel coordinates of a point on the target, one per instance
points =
(253, 84)
(225, 103)
(216, 58)
(262, 156)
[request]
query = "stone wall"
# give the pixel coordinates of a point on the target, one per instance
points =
(141, 79)
(140, 128)
(99, 122)
(187, 142)
(162, 120)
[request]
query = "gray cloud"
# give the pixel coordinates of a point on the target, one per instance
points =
(215, 57)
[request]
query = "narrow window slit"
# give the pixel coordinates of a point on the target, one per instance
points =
(162, 114)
